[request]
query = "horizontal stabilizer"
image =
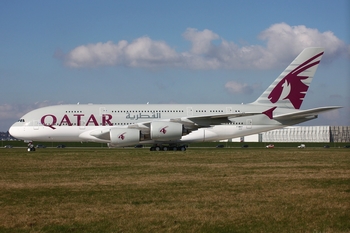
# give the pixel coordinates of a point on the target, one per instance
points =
(304, 113)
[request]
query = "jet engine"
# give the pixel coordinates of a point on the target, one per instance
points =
(158, 131)
(166, 131)
(124, 137)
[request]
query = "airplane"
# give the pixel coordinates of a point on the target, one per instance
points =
(170, 126)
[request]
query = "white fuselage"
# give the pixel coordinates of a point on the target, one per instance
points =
(63, 123)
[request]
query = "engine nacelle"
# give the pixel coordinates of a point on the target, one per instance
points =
(124, 137)
(166, 131)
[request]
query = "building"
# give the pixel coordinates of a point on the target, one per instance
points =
(339, 133)
(324, 134)
(298, 134)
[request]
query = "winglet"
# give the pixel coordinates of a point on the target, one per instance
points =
(269, 112)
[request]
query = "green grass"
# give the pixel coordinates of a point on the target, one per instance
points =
(200, 190)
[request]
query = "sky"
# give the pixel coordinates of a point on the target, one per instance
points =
(185, 52)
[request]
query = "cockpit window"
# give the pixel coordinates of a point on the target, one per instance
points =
(21, 120)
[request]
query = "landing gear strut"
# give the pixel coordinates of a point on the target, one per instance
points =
(166, 148)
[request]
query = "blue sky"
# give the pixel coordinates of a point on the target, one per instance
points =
(55, 52)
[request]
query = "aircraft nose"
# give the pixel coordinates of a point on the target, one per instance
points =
(12, 131)
(15, 131)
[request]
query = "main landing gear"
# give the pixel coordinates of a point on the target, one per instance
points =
(168, 148)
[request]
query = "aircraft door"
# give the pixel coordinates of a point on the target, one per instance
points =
(189, 111)
(249, 123)
(36, 125)
(103, 110)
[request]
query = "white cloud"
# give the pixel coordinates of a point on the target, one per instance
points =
(283, 43)
(92, 55)
(201, 40)
(144, 52)
(283, 40)
(240, 88)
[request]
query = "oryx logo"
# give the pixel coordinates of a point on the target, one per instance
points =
(122, 136)
(163, 130)
(291, 86)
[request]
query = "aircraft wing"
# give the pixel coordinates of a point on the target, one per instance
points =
(204, 121)
(304, 113)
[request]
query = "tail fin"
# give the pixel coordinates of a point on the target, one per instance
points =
(289, 89)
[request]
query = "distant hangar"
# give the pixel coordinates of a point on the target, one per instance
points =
(301, 134)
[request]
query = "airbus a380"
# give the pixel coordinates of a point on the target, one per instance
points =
(167, 126)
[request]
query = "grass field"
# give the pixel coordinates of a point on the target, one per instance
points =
(200, 190)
